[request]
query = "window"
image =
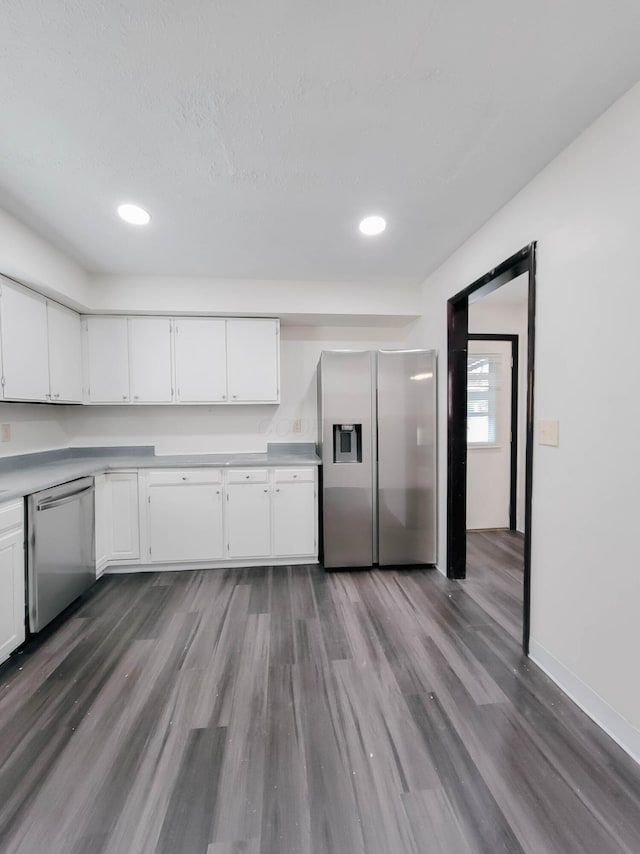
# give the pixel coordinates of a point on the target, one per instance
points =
(483, 370)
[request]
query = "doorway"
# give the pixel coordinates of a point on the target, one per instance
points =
(523, 262)
(492, 430)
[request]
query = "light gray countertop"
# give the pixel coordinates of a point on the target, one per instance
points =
(28, 473)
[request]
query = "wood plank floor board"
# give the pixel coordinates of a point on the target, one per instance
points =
(333, 631)
(434, 824)
(187, 825)
(303, 606)
(245, 846)
(334, 819)
(292, 711)
(282, 646)
(286, 816)
(379, 775)
(220, 653)
(484, 824)
(240, 818)
(141, 819)
(259, 580)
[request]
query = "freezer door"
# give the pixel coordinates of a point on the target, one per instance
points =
(346, 445)
(406, 457)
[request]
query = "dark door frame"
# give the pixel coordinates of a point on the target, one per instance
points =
(513, 450)
(523, 261)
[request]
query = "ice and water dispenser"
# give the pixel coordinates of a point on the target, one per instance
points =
(347, 443)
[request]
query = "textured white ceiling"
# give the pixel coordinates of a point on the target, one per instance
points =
(258, 133)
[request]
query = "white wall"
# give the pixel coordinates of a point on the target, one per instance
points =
(27, 257)
(379, 302)
(488, 316)
(211, 429)
(584, 209)
(34, 427)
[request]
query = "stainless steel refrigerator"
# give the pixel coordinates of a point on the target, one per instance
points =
(377, 441)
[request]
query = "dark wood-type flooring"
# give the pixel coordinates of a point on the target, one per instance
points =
(288, 710)
(495, 572)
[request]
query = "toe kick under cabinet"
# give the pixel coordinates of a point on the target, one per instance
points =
(226, 517)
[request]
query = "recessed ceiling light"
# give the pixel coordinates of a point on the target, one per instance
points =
(134, 214)
(372, 225)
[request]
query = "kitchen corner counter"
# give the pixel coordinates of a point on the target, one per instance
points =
(28, 473)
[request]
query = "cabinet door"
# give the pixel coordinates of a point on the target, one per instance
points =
(201, 362)
(185, 522)
(12, 613)
(294, 519)
(107, 354)
(122, 516)
(253, 360)
(103, 522)
(25, 356)
(248, 520)
(150, 359)
(65, 354)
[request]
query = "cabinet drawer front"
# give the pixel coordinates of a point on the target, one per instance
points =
(285, 475)
(11, 516)
(184, 476)
(248, 476)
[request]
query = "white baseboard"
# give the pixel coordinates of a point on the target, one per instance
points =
(592, 704)
(120, 569)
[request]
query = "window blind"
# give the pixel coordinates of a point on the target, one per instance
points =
(483, 374)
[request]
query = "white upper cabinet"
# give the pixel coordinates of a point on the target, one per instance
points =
(65, 354)
(107, 360)
(25, 358)
(201, 360)
(253, 360)
(150, 360)
(49, 353)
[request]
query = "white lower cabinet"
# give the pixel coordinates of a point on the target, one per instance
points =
(248, 515)
(12, 577)
(184, 516)
(117, 518)
(294, 515)
(101, 533)
(207, 515)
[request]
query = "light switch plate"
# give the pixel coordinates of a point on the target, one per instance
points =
(549, 433)
(5, 432)
(297, 426)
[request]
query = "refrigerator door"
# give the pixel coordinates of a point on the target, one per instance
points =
(406, 457)
(346, 446)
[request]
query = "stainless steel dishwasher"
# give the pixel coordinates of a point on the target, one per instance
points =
(60, 548)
